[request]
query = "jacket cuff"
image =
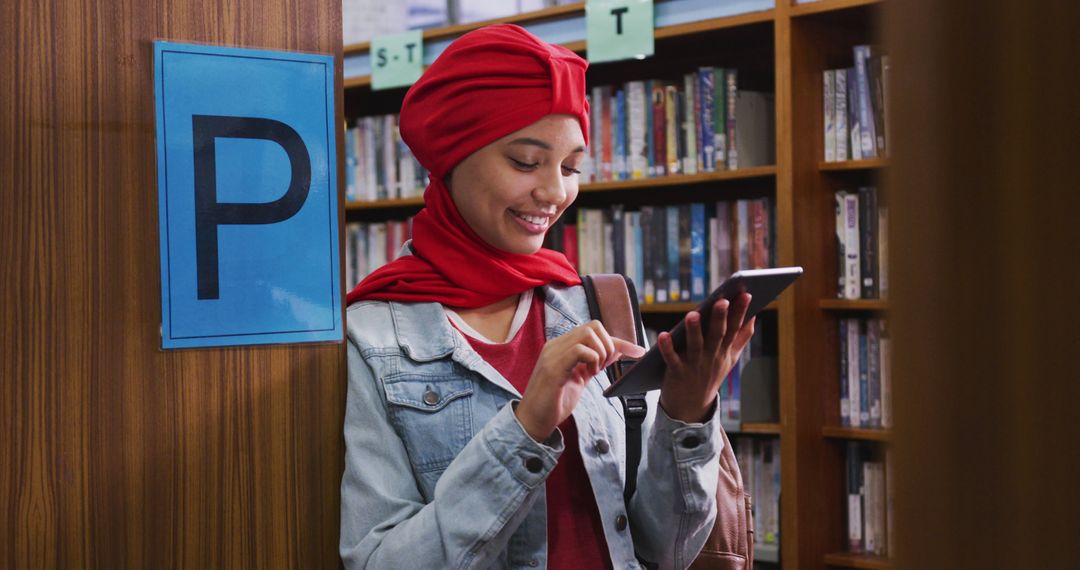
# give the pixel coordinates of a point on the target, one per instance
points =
(693, 442)
(529, 461)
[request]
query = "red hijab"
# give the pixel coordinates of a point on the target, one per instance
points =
(487, 84)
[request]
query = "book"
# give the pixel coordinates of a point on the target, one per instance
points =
(697, 252)
(706, 101)
(867, 137)
(673, 244)
(854, 387)
(873, 371)
(829, 114)
(853, 267)
(731, 93)
(854, 128)
(845, 402)
(755, 128)
(868, 221)
(841, 239)
(841, 122)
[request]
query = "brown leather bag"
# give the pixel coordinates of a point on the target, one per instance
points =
(730, 546)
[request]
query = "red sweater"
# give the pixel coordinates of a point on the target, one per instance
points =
(575, 531)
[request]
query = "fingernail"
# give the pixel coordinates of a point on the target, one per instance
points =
(635, 351)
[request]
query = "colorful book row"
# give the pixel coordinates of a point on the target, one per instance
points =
(676, 253)
(862, 245)
(865, 379)
(856, 105)
(378, 164)
(759, 462)
(369, 246)
(869, 500)
(705, 123)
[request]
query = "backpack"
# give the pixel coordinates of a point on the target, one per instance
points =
(612, 300)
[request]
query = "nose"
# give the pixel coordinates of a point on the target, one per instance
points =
(551, 187)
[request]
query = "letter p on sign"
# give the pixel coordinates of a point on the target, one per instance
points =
(247, 196)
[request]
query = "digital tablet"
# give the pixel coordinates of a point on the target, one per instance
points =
(764, 285)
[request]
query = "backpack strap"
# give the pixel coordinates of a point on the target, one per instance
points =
(612, 300)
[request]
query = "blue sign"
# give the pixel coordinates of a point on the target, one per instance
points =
(247, 196)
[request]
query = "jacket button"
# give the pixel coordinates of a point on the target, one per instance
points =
(534, 465)
(691, 441)
(431, 397)
(601, 446)
(620, 523)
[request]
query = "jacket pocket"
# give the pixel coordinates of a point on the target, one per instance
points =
(433, 416)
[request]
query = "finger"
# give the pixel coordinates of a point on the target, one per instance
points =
(667, 350)
(605, 338)
(591, 339)
(717, 325)
(587, 357)
(694, 341)
(735, 318)
(744, 334)
(627, 348)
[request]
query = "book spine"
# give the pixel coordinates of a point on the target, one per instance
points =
(884, 360)
(648, 246)
(606, 133)
(883, 252)
(873, 367)
(636, 125)
(694, 164)
(854, 504)
(720, 117)
(596, 125)
(841, 122)
(660, 265)
(854, 395)
(671, 130)
(845, 403)
(885, 100)
(707, 96)
(829, 114)
(620, 135)
(732, 81)
(851, 247)
(673, 253)
(854, 127)
(618, 239)
(742, 209)
(659, 111)
(869, 539)
(608, 237)
(864, 378)
(877, 101)
(650, 142)
(868, 240)
(389, 159)
(760, 227)
(724, 253)
(714, 254)
(685, 253)
(867, 137)
(628, 260)
(639, 254)
(697, 252)
(583, 242)
(841, 256)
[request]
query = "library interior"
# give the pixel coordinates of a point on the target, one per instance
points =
(207, 228)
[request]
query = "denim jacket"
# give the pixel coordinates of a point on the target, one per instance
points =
(440, 474)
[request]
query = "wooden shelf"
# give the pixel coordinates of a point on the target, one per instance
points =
(682, 308)
(849, 560)
(874, 434)
(854, 305)
(823, 6)
(612, 186)
(765, 428)
(681, 179)
(849, 165)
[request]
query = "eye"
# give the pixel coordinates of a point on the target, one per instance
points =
(524, 165)
(571, 170)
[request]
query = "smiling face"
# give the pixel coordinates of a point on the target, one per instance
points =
(512, 190)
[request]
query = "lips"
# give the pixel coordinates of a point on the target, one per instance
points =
(531, 222)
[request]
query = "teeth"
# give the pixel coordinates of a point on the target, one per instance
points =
(538, 220)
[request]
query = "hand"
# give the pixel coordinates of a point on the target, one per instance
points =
(693, 378)
(563, 370)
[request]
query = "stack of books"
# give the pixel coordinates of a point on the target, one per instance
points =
(856, 108)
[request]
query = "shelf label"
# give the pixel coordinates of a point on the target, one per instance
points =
(247, 196)
(618, 29)
(397, 60)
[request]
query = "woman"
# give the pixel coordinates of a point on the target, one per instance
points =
(476, 432)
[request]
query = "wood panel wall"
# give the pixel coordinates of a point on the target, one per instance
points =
(114, 453)
(984, 203)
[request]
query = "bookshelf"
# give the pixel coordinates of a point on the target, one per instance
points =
(782, 48)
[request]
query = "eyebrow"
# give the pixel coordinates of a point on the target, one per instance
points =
(541, 144)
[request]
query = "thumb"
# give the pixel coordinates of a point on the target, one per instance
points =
(627, 348)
